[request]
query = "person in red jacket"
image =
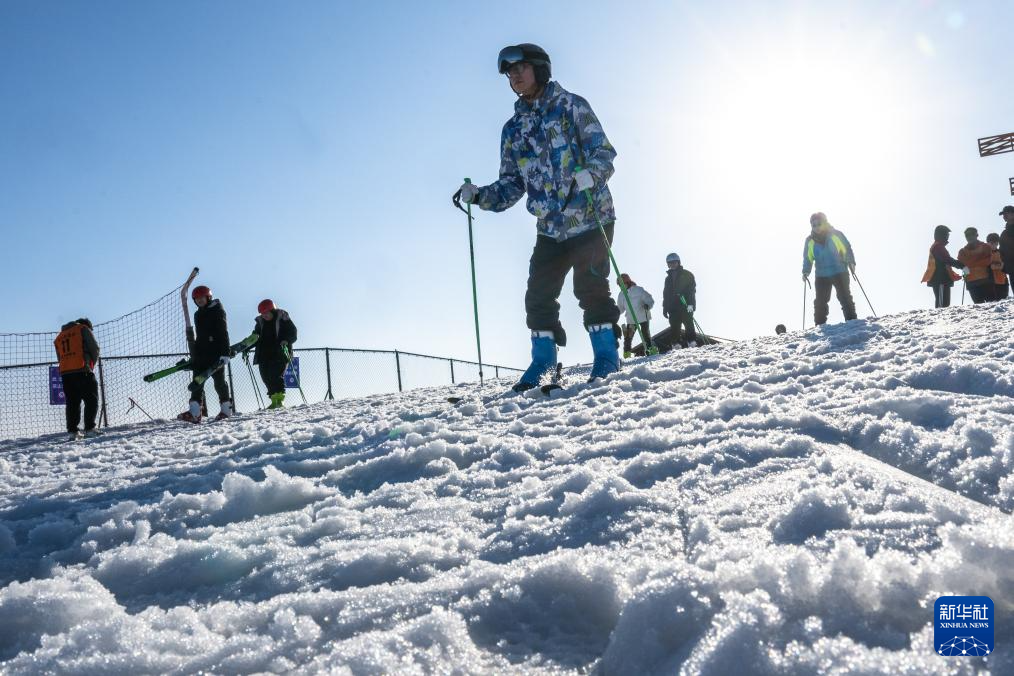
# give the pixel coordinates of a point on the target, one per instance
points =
(939, 276)
(78, 351)
(1000, 288)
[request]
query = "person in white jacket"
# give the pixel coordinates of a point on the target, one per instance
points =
(642, 302)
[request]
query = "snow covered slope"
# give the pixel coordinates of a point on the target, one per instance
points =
(792, 504)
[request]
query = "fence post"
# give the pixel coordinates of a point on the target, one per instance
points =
(397, 365)
(104, 418)
(452, 370)
(232, 387)
(327, 361)
(496, 370)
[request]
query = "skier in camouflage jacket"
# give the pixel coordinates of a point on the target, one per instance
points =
(554, 149)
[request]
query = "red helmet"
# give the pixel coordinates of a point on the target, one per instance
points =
(200, 292)
(266, 305)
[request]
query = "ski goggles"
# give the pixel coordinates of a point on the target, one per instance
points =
(508, 57)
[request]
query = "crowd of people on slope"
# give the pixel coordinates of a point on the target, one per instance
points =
(986, 268)
(554, 150)
(273, 334)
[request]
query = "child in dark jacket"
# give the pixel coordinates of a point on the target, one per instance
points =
(275, 335)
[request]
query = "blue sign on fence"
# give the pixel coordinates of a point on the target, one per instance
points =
(56, 395)
(292, 378)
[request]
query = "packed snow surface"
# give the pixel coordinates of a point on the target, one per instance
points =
(791, 504)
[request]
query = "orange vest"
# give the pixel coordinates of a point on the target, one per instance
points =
(70, 349)
(931, 268)
(976, 258)
(996, 264)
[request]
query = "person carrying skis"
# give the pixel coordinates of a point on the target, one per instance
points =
(554, 149)
(679, 298)
(275, 335)
(1007, 243)
(939, 276)
(77, 352)
(976, 256)
(1000, 288)
(642, 302)
(211, 348)
(828, 250)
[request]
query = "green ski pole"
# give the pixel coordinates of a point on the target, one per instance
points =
(288, 358)
(253, 382)
(471, 254)
(616, 269)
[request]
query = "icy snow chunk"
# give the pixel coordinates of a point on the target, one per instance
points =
(245, 498)
(31, 610)
(813, 513)
(163, 565)
(660, 624)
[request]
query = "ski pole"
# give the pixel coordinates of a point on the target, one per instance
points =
(864, 294)
(471, 255)
(963, 285)
(257, 390)
(616, 269)
(133, 405)
(288, 357)
(687, 308)
(806, 283)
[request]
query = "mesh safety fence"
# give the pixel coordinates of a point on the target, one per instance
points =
(153, 338)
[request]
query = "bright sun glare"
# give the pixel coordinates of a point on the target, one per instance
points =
(804, 122)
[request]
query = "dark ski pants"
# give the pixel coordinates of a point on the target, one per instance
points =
(221, 386)
(941, 295)
(840, 282)
(629, 330)
(587, 255)
(980, 293)
(1000, 291)
(79, 387)
(681, 325)
(272, 373)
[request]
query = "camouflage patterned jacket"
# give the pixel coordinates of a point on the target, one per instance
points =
(540, 148)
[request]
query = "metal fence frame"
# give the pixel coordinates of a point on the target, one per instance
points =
(451, 376)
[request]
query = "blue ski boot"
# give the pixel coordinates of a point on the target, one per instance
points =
(543, 360)
(606, 349)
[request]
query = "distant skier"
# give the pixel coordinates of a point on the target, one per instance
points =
(780, 329)
(642, 303)
(976, 256)
(77, 352)
(939, 276)
(679, 299)
(211, 347)
(551, 134)
(828, 250)
(996, 268)
(275, 335)
(1007, 243)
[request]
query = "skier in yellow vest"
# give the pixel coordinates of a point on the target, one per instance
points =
(827, 250)
(77, 352)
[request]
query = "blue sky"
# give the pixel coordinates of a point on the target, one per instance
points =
(307, 152)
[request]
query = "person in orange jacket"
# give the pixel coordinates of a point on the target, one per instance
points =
(1000, 288)
(939, 276)
(77, 352)
(977, 257)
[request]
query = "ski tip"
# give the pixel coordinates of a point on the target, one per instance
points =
(455, 400)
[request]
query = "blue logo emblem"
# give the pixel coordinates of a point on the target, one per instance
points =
(963, 626)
